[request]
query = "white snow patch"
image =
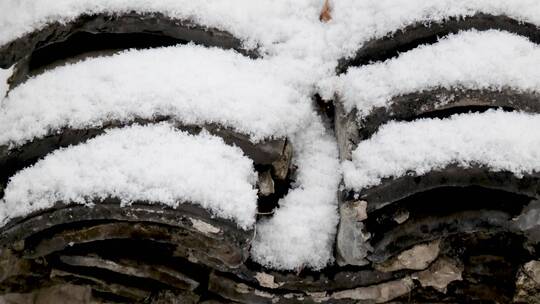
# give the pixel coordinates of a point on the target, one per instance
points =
(469, 60)
(193, 84)
(156, 163)
(301, 232)
(4, 75)
(497, 140)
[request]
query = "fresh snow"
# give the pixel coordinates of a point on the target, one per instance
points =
(4, 75)
(264, 98)
(192, 84)
(301, 232)
(490, 60)
(277, 27)
(263, 23)
(357, 21)
(155, 163)
(497, 140)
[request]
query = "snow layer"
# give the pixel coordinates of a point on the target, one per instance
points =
(284, 26)
(301, 232)
(500, 141)
(469, 60)
(267, 23)
(194, 85)
(356, 21)
(157, 164)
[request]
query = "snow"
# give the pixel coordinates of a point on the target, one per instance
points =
(4, 75)
(263, 98)
(155, 163)
(301, 232)
(497, 140)
(264, 23)
(356, 21)
(192, 84)
(278, 27)
(490, 60)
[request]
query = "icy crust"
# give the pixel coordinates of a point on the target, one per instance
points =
(357, 21)
(154, 164)
(469, 60)
(301, 232)
(497, 140)
(192, 84)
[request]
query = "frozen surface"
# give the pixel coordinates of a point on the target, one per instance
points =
(497, 140)
(192, 84)
(155, 164)
(470, 60)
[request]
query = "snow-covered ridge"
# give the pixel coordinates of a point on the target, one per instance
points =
(282, 26)
(192, 84)
(474, 60)
(359, 21)
(155, 164)
(301, 232)
(500, 141)
(263, 22)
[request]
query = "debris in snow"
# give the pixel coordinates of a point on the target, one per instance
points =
(469, 60)
(499, 140)
(192, 84)
(155, 164)
(326, 12)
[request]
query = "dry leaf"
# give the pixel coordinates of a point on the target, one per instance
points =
(326, 12)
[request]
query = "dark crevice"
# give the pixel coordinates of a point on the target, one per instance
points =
(442, 103)
(441, 202)
(446, 113)
(266, 205)
(421, 33)
(110, 276)
(145, 252)
(83, 45)
(392, 190)
(326, 109)
(105, 34)
(331, 278)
